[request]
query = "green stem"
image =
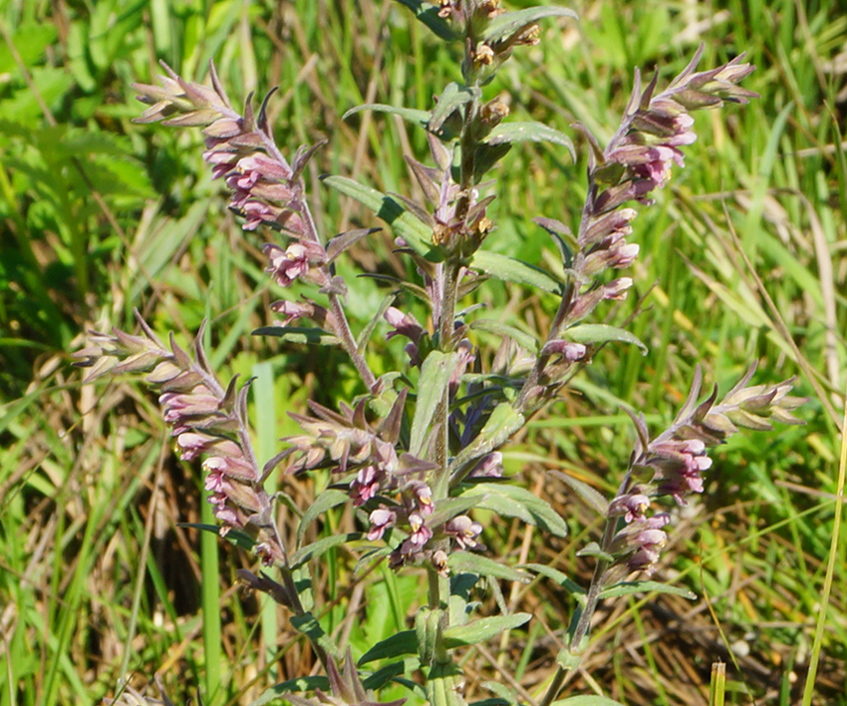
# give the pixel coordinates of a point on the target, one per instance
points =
(577, 642)
(342, 325)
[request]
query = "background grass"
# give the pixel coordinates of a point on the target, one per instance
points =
(99, 580)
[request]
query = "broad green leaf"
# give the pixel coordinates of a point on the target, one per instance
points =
(511, 270)
(482, 629)
(502, 26)
(428, 14)
(298, 334)
(467, 562)
(418, 117)
(601, 333)
(587, 700)
(498, 328)
(436, 372)
(164, 239)
(416, 233)
(626, 588)
(529, 132)
(328, 499)
(514, 501)
(401, 643)
(321, 546)
(277, 693)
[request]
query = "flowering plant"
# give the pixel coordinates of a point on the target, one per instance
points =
(420, 449)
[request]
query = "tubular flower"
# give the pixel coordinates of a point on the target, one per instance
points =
(672, 464)
(241, 150)
(206, 420)
(638, 160)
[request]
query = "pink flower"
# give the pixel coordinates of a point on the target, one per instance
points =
(296, 261)
(381, 519)
(420, 534)
(464, 530)
(365, 485)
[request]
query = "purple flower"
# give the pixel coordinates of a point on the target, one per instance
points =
(298, 260)
(206, 421)
(420, 534)
(420, 495)
(632, 506)
(381, 519)
(489, 466)
(464, 531)
(365, 485)
(569, 350)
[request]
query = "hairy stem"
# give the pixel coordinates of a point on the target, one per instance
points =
(342, 325)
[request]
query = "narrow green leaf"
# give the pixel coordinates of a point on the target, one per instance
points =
(585, 491)
(428, 14)
(328, 499)
(435, 375)
(339, 243)
(447, 509)
(452, 97)
(511, 270)
(366, 333)
(626, 588)
(240, 539)
(418, 117)
(509, 22)
(417, 234)
(504, 421)
(381, 677)
(482, 629)
(470, 563)
(308, 625)
(401, 643)
(593, 549)
(502, 330)
(505, 695)
(514, 501)
(277, 692)
(529, 132)
(560, 578)
(601, 333)
(321, 546)
(298, 334)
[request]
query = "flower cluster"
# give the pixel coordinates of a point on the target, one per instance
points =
(638, 160)
(672, 464)
(471, 18)
(266, 190)
(240, 149)
(393, 488)
(206, 420)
